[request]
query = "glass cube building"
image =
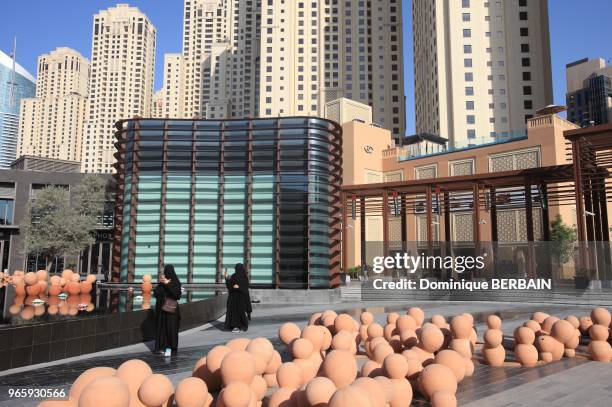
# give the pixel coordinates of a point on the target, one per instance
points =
(204, 195)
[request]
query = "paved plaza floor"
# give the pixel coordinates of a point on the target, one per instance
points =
(570, 382)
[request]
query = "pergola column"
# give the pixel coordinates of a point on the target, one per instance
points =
(493, 198)
(476, 214)
(530, 233)
(385, 216)
(344, 231)
(429, 215)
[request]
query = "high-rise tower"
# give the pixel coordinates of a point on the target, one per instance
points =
(121, 82)
(481, 67)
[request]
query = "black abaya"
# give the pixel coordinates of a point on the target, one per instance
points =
(167, 327)
(239, 308)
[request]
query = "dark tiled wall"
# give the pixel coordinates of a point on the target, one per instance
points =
(39, 343)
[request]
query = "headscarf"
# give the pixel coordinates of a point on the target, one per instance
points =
(240, 277)
(170, 274)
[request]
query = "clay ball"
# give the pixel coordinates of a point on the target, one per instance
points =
(461, 327)
(191, 392)
(418, 315)
(319, 391)
(454, 361)
(375, 330)
(288, 332)
(494, 322)
(301, 348)
(155, 390)
(289, 375)
(344, 322)
(436, 377)
(533, 325)
(443, 398)
(493, 337)
(563, 331)
(392, 317)
(315, 334)
(405, 322)
(395, 366)
(374, 389)
(87, 377)
(431, 338)
(238, 344)
(353, 396)
(237, 366)
(105, 391)
(133, 373)
(236, 394)
(215, 357)
(598, 332)
(340, 367)
(524, 335)
(600, 316)
(343, 340)
(366, 318)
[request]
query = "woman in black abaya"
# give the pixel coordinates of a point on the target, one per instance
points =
(167, 328)
(238, 302)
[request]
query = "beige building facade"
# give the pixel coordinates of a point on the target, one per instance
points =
(51, 124)
(482, 68)
(369, 158)
(121, 81)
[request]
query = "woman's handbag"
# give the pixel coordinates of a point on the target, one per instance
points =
(169, 305)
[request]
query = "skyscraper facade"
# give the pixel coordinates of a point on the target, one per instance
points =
(15, 84)
(482, 68)
(288, 57)
(51, 124)
(314, 52)
(589, 92)
(121, 81)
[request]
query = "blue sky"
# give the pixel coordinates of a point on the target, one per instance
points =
(578, 30)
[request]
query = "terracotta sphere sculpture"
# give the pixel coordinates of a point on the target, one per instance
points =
(343, 340)
(539, 317)
(340, 367)
(548, 324)
(381, 351)
(494, 322)
(572, 319)
(366, 318)
(406, 322)
(191, 392)
(105, 391)
(524, 335)
(431, 338)
(402, 393)
(288, 332)
(202, 372)
(585, 324)
(344, 322)
(262, 351)
(443, 398)
(86, 377)
(563, 331)
(600, 316)
(395, 366)
(533, 325)
(31, 278)
(155, 390)
(319, 391)
(350, 396)
(215, 357)
(374, 389)
(134, 372)
(315, 334)
(42, 275)
(371, 369)
(493, 350)
(454, 361)
(280, 397)
(147, 278)
(409, 338)
(236, 394)
(436, 377)
(274, 363)
(91, 278)
(418, 315)
(599, 348)
(315, 319)
(375, 331)
(237, 366)
(238, 344)
(289, 375)
(439, 321)
(392, 317)
(389, 330)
